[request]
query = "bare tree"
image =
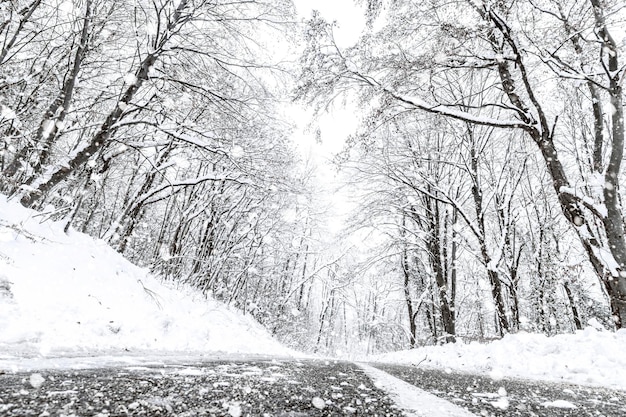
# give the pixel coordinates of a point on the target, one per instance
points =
(460, 38)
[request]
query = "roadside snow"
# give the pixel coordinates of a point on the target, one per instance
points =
(413, 401)
(589, 357)
(64, 295)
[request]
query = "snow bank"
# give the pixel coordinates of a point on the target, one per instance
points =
(589, 357)
(69, 294)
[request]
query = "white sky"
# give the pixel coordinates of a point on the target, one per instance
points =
(340, 122)
(349, 17)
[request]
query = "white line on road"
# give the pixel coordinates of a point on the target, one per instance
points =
(412, 400)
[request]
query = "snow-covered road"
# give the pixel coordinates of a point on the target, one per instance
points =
(287, 387)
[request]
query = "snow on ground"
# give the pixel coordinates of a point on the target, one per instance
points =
(589, 357)
(64, 295)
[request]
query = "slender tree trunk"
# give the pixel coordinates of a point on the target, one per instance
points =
(25, 16)
(52, 123)
(572, 305)
(304, 269)
(406, 272)
(407, 299)
(435, 256)
(452, 279)
(132, 213)
(492, 274)
(49, 125)
(323, 315)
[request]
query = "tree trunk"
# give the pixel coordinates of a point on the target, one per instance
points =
(435, 256)
(132, 213)
(407, 299)
(26, 14)
(99, 140)
(572, 305)
(492, 274)
(406, 272)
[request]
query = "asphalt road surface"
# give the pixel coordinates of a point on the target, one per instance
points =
(280, 388)
(257, 388)
(484, 396)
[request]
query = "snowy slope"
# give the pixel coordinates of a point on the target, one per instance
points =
(592, 356)
(69, 294)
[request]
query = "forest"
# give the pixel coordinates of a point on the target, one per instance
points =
(483, 178)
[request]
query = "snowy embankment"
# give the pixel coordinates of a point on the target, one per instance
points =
(64, 295)
(592, 356)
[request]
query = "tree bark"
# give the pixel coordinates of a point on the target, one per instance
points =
(613, 221)
(572, 305)
(435, 256)
(407, 293)
(492, 274)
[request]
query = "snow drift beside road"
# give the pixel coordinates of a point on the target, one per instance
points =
(69, 294)
(589, 357)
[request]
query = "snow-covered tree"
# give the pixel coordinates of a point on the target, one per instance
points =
(524, 53)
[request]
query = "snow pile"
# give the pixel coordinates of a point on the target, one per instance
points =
(588, 357)
(69, 294)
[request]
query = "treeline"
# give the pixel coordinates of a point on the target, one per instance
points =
(156, 126)
(490, 150)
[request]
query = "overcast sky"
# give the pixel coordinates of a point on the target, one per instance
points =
(350, 18)
(341, 121)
